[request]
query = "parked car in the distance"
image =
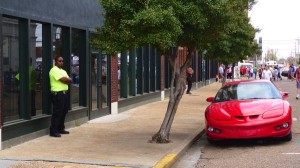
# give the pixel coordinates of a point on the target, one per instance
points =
(284, 71)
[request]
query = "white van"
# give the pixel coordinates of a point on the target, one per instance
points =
(246, 64)
(242, 68)
(271, 63)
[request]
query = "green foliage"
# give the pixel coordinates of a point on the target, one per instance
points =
(220, 27)
(133, 23)
(282, 60)
(291, 60)
(156, 26)
(237, 41)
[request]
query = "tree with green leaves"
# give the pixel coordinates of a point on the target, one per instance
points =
(291, 60)
(282, 61)
(237, 42)
(164, 24)
(271, 55)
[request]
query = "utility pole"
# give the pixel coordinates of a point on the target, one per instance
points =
(295, 50)
(297, 54)
(260, 49)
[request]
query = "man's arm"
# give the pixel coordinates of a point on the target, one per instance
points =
(66, 80)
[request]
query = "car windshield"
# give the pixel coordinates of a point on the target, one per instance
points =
(244, 91)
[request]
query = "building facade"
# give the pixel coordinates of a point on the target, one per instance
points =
(34, 32)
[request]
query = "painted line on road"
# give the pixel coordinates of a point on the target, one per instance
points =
(295, 119)
(290, 153)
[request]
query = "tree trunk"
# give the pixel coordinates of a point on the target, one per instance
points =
(176, 93)
(225, 74)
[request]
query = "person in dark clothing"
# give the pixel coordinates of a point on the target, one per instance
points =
(189, 74)
(59, 80)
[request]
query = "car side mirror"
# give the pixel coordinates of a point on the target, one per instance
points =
(210, 99)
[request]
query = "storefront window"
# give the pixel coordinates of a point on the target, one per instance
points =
(10, 67)
(123, 72)
(104, 81)
(74, 87)
(99, 90)
(57, 41)
(35, 69)
(94, 80)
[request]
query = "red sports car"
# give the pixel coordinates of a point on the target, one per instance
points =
(248, 109)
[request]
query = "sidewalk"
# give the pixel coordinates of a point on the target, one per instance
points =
(119, 140)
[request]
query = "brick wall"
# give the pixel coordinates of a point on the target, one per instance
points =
(182, 53)
(114, 79)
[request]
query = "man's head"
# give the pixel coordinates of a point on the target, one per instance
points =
(59, 61)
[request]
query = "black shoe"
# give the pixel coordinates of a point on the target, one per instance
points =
(64, 132)
(297, 98)
(57, 135)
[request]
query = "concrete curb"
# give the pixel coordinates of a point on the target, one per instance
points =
(171, 158)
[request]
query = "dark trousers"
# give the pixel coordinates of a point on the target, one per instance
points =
(190, 83)
(60, 110)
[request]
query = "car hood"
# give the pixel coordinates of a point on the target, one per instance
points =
(246, 107)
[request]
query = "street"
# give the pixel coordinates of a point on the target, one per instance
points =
(262, 153)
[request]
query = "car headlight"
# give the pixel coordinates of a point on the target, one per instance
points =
(272, 113)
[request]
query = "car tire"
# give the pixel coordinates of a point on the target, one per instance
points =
(213, 142)
(288, 137)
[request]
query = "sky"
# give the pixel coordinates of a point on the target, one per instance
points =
(279, 22)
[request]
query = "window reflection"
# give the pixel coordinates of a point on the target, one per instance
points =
(10, 66)
(94, 80)
(99, 95)
(35, 70)
(104, 81)
(122, 65)
(74, 59)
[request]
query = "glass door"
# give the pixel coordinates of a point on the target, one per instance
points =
(98, 85)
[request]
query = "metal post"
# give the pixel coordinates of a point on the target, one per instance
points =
(203, 67)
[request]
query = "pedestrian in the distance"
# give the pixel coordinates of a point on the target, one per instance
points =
(255, 72)
(298, 82)
(279, 75)
(260, 70)
(189, 74)
(59, 80)
(221, 72)
(267, 74)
